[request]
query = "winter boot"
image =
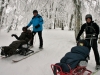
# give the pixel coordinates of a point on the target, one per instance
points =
(40, 47)
(97, 67)
(5, 50)
(2, 51)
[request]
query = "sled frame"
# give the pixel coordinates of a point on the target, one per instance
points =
(77, 71)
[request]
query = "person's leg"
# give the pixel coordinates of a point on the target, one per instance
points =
(16, 45)
(31, 42)
(89, 46)
(40, 38)
(96, 53)
(5, 50)
(9, 50)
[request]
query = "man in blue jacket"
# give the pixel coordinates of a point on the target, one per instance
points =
(37, 23)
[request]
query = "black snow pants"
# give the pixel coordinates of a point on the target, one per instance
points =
(40, 38)
(11, 49)
(94, 45)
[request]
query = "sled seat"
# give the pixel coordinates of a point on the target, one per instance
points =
(24, 49)
(79, 70)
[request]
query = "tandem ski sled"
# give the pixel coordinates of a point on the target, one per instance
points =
(20, 46)
(74, 62)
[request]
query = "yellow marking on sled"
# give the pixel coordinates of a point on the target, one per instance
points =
(81, 44)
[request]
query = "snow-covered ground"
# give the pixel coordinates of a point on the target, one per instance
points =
(56, 44)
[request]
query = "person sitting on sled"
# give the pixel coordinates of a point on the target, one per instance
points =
(74, 57)
(22, 39)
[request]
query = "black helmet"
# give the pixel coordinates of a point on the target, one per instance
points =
(35, 11)
(24, 28)
(83, 43)
(88, 16)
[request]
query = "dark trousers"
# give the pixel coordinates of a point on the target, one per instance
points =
(93, 44)
(40, 38)
(11, 49)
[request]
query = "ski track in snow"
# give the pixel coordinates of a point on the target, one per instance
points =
(56, 44)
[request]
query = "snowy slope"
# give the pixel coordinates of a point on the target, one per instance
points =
(56, 44)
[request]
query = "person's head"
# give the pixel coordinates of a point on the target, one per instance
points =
(88, 18)
(83, 43)
(35, 12)
(24, 29)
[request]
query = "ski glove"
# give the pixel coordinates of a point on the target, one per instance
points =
(37, 26)
(13, 35)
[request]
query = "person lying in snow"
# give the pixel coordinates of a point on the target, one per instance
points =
(74, 57)
(22, 39)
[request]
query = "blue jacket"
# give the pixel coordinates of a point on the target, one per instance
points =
(36, 20)
(73, 58)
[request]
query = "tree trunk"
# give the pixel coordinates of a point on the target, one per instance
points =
(78, 16)
(54, 23)
(2, 2)
(70, 24)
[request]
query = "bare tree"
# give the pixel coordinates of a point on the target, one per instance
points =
(70, 24)
(1, 11)
(78, 16)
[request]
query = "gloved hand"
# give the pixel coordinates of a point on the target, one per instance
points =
(37, 26)
(26, 26)
(13, 35)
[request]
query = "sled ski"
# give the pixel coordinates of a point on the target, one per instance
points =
(17, 60)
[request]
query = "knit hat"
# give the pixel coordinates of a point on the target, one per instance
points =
(24, 28)
(35, 11)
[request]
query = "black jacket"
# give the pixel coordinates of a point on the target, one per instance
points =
(24, 36)
(90, 29)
